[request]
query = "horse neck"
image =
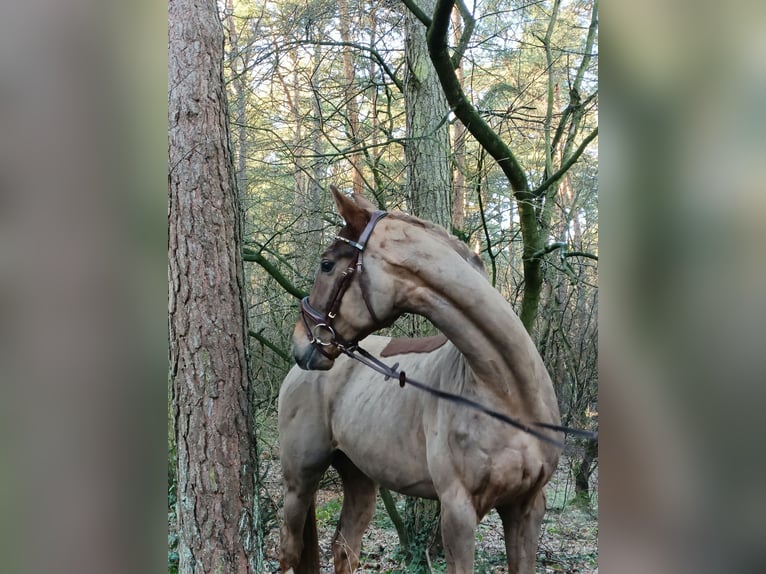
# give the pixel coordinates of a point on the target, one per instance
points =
(459, 300)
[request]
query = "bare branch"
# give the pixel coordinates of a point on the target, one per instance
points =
(561, 245)
(250, 255)
(375, 55)
(469, 24)
(466, 113)
(266, 343)
(566, 165)
(419, 14)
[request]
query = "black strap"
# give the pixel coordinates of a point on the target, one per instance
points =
(364, 357)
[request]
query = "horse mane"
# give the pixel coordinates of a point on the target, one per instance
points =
(459, 246)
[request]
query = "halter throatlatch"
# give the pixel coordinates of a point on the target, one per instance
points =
(321, 333)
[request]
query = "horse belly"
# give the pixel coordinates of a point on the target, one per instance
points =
(404, 475)
(385, 444)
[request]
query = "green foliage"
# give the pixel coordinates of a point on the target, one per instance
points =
(329, 512)
(172, 554)
(381, 519)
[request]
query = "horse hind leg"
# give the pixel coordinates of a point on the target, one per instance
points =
(458, 522)
(521, 527)
(359, 493)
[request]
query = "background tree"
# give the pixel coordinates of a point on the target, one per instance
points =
(428, 184)
(531, 202)
(212, 398)
(427, 142)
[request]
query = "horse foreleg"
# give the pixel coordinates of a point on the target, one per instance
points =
(458, 524)
(358, 508)
(298, 532)
(521, 526)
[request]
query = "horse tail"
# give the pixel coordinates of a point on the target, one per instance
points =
(309, 562)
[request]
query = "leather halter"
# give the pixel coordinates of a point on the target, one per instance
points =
(322, 333)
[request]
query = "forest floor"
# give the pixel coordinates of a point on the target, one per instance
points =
(568, 542)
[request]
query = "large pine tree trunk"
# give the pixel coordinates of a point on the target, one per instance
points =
(212, 397)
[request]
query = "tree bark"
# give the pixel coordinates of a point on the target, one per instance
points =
(427, 147)
(212, 396)
(429, 196)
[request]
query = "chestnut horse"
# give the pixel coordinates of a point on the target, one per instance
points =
(380, 266)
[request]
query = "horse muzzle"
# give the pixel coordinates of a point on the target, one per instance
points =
(307, 355)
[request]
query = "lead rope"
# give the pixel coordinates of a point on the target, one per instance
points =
(364, 357)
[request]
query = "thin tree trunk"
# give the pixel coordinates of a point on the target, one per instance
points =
(458, 145)
(584, 470)
(352, 108)
(212, 397)
(313, 238)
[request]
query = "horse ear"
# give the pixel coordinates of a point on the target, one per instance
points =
(363, 202)
(355, 216)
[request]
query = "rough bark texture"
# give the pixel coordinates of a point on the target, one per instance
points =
(427, 149)
(429, 193)
(212, 400)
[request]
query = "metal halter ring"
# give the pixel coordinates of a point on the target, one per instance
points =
(318, 340)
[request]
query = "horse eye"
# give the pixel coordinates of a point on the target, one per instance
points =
(327, 265)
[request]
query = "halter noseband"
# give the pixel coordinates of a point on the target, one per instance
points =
(322, 333)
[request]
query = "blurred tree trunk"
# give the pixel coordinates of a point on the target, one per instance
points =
(212, 396)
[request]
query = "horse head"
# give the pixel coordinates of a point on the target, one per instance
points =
(350, 298)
